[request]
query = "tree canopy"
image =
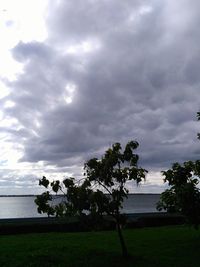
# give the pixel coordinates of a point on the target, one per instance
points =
(101, 191)
(183, 194)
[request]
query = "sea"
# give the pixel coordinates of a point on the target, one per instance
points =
(25, 207)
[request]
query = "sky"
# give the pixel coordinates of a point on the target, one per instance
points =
(78, 76)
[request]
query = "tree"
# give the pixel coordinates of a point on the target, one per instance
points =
(183, 195)
(102, 191)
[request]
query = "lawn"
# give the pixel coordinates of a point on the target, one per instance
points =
(175, 246)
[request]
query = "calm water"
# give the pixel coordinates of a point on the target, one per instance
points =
(24, 207)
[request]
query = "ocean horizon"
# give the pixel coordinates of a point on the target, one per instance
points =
(23, 206)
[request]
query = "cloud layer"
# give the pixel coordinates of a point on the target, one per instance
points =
(109, 71)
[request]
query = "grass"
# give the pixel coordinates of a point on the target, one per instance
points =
(175, 246)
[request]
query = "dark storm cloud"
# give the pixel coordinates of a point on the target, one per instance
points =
(140, 82)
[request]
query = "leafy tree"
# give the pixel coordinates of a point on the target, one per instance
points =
(102, 191)
(183, 195)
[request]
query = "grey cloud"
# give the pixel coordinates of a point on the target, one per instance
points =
(141, 83)
(23, 51)
(86, 19)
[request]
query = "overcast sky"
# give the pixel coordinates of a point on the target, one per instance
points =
(77, 76)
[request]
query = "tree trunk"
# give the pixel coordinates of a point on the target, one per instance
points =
(121, 238)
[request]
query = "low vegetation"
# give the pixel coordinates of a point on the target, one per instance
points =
(149, 247)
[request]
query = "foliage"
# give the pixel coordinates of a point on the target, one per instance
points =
(111, 174)
(183, 195)
(102, 190)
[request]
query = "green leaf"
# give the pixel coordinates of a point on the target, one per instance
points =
(44, 182)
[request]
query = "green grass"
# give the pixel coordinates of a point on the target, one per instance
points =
(175, 246)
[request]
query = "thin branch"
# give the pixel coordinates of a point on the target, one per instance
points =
(78, 181)
(105, 187)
